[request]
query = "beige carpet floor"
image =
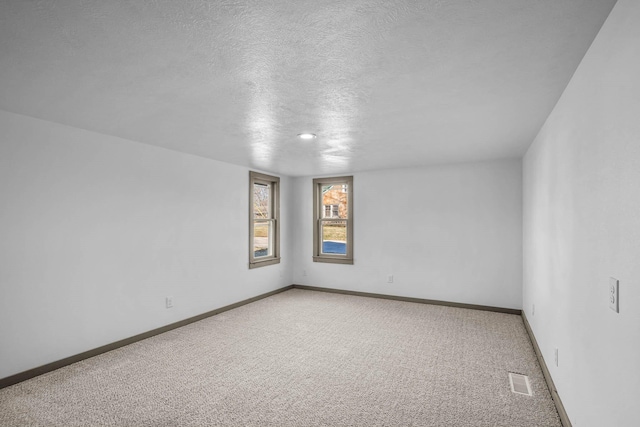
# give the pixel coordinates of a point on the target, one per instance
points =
(302, 358)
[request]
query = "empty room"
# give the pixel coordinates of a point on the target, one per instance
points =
(320, 213)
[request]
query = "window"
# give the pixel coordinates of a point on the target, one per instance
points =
(264, 226)
(333, 220)
(330, 211)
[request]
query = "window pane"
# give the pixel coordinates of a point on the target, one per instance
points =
(262, 239)
(261, 201)
(335, 201)
(333, 235)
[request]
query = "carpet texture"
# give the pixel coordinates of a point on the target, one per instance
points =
(302, 358)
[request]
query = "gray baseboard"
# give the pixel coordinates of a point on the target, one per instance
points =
(411, 299)
(31, 373)
(564, 418)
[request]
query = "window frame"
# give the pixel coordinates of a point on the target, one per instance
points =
(274, 182)
(318, 210)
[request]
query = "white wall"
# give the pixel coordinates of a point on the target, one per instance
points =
(582, 225)
(95, 231)
(451, 233)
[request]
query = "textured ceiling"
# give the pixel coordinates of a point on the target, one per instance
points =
(382, 83)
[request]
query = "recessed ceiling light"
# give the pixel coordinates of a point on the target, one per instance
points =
(306, 135)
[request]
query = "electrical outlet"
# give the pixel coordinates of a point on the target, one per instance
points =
(614, 294)
(390, 278)
(533, 309)
(304, 272)
(169, 302)
(556, 356)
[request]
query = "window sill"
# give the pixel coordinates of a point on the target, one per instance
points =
(333, 260)
(264, 263)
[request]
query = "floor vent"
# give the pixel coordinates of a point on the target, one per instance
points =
(520, 384)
